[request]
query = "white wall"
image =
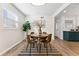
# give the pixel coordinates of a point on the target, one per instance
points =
(72, 13)
(62, 27)
(59, 27)
(10, 37)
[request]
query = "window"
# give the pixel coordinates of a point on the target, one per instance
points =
(10, 19)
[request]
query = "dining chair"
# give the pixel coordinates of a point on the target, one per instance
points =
(43, 38)
(33, 38)
(30, 42)
(44, 32)
(47, 42)
(32, 33)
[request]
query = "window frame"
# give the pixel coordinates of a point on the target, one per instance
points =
(6, 18)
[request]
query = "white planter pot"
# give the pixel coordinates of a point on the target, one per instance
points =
(25, 35)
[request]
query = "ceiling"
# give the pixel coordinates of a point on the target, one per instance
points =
(47, 9)
(71, 10)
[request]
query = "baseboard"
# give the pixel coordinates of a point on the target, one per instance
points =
(56, 37)
(10, 48)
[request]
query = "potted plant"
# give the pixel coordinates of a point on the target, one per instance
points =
(26, 27)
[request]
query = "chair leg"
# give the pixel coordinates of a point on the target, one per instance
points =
(47, 49)
(30, 49)
(44, 45)
(39, 48)
(27, 46)
(33, 45)
(50, 47)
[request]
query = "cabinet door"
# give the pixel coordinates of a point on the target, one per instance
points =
(77, 36)
(72, 35)
(65, 35)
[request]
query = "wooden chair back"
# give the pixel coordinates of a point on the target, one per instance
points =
(49, 38)
(28, 38)
(44, 32)
(32, 32)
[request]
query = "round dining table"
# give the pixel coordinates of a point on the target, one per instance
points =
(39, 36)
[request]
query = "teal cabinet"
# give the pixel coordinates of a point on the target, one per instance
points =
(70, 35)
(65, 35)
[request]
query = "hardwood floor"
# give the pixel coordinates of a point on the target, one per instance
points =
(67, 48)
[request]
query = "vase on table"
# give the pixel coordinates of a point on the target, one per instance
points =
(40, 31)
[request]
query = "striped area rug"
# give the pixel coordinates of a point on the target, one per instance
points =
(44, 52)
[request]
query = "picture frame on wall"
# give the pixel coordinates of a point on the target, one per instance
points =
(68, 24)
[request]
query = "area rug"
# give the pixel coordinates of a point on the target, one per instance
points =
(43, 52)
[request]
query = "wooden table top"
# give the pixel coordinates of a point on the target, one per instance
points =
(39, 36)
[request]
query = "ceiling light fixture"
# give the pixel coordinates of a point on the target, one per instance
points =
(64, 11)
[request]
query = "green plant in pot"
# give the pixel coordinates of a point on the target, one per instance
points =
(26, 27)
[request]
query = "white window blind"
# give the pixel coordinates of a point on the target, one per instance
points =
(10, 19)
